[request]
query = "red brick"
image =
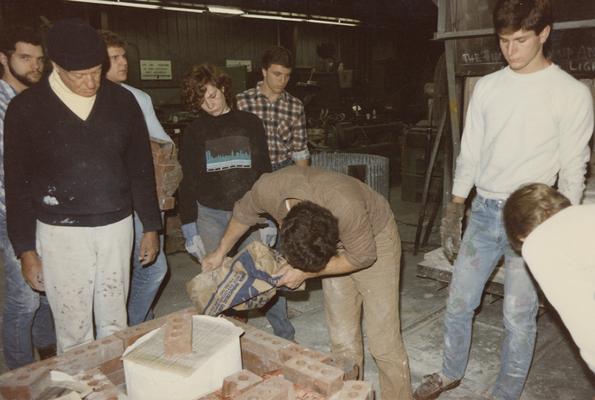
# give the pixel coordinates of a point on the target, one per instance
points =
(131, 335)
(117, 377)
(354, 390)
(111, 366)
(89, 355)
(275, 388)
(178, 335)
(103, 388)
(265, 344)
(302, 393)
(239, 382)
(318, 376)
(259, 363)
(294, 350)
(18, 384)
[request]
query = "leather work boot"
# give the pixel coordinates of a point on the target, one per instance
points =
(432, 385)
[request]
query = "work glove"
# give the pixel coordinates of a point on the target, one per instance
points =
(451, 229)
(194, 244)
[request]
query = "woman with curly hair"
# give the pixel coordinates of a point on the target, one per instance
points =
(223, 153)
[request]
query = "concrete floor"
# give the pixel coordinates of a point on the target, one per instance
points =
(557, 372)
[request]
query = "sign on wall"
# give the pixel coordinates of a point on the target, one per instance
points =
(155, 70)
(239, 63)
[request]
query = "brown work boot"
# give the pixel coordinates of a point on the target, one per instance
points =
(432, 385)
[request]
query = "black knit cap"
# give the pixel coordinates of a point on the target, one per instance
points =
(74, 45)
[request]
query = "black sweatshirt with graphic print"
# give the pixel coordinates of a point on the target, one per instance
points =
(221, 158)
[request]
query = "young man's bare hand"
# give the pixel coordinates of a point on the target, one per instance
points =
(32, 270)
(291, 277)
(212, 261)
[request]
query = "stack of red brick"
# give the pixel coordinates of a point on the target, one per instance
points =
(103, 355)
(274, 368)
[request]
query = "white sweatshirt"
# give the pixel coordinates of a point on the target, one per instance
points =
(559, 253)
(523, 128)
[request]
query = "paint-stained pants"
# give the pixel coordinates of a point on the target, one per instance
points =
(484, 243)
(86, 271)
(376, 289)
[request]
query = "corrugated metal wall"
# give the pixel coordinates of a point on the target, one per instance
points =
(187, 39)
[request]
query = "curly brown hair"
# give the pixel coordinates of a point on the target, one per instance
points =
(309, 236)
(195, 81)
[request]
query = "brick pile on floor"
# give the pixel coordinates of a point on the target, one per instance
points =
(274, 368)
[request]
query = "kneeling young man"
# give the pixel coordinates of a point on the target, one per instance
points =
(336, 227)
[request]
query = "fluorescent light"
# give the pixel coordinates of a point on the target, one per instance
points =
(286, 16)
(338, 22)
(146, 5)
(183, 9)
(273, 17)
(225, 10)
(119, 3)
(321, 19)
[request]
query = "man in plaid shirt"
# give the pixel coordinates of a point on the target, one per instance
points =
(284, 122)
(282, 114)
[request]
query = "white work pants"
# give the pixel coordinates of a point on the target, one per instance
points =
(86, 271)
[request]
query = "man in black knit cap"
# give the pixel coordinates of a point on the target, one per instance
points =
(74, 172)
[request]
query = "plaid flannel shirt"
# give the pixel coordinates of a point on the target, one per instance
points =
(284, 123)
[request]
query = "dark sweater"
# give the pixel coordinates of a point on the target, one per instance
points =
(64, 171)
(221, 158)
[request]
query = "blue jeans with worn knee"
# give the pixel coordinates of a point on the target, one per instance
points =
(484, 243)
(211, 226)
(27, 320)
(145, 280)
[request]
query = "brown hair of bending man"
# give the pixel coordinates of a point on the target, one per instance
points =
(195, 81)
(309, 236)
(529, 206)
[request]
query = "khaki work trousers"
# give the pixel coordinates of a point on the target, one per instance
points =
(86, 271)
(376, 289)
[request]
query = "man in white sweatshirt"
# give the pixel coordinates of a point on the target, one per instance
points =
(529, 122)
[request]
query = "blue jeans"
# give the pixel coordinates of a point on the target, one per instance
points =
(27, 320)
(211, 226)
(484, 242)
(145, 280)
